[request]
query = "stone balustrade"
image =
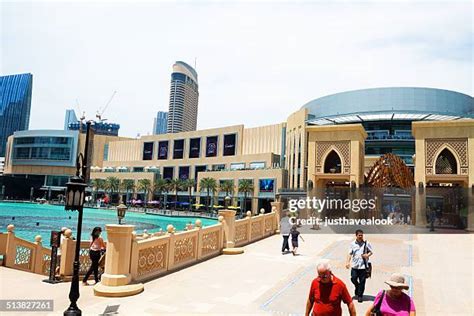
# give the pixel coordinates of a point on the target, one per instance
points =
(24, 255)
(158, 255)
(133, 258)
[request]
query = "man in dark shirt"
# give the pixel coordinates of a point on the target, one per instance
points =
(326, 294)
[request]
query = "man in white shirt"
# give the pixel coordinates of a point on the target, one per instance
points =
(358, 260)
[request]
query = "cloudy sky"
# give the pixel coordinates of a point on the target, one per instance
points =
(257, 61)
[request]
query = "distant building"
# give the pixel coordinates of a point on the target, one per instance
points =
(69, 118)
(15, 105)
(160, 123)
(184, 94)
(100, 128)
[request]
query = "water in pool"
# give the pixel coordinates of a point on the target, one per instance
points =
(35, 219)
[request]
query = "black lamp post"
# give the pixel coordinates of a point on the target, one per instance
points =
(75, 196)
(121, 210)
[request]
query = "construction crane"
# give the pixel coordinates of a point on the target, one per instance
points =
(82, 117)
(100, 112)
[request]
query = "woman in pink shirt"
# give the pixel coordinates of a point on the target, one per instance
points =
(97, 245)
(393, 302)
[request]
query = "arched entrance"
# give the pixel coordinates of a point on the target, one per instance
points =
(332, 163)
(446, 163)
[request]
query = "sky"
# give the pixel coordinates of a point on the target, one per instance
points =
(257, 62)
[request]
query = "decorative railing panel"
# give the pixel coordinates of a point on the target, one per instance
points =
(210, 241)
(23, 257)
(241, 232)
(46, 261)
(84, 259)
(184, 248)
(256, 227)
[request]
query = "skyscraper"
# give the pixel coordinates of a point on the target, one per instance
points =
(15, 105)
(69, 118)
(160, 123)
(184, 94)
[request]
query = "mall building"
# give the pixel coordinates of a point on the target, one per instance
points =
(330, 141)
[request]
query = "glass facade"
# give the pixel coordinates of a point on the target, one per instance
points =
(15, 106)
(43, 148)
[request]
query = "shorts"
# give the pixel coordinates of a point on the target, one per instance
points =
(294, 243)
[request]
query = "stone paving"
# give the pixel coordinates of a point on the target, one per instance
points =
(262, 281)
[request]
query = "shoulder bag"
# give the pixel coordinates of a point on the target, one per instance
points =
(368, 265)
(376, 309)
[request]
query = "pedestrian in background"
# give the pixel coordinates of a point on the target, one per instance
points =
(97, 245)
(285, 228)
(358, 261)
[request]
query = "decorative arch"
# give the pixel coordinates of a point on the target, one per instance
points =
(390, 171)
(332, 162)
(446, 161)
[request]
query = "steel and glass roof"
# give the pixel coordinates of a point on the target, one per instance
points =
(385, 104)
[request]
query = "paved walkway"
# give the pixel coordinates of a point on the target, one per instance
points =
(262, 281)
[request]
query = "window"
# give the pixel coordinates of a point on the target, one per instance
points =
(218, 167)
(257, 165)
(148, 151)
(56, 181)
(198, 169)
(138, 169)
(237, 166)
(178, 149)
(194, 147)
(183, 173)
(168, 173)
(229, 145)
(21, 153)
(163, 150)
(106, 152)
(211, 146)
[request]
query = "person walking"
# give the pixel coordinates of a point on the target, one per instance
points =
(326, 294)
(393, 302)
(358, 261)
(294, 238)
(285, 228)
(97, 245)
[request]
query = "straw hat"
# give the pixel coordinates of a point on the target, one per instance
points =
(397, 280)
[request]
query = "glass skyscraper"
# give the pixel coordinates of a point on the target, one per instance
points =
(184, 94)
(69, 118)
(15, 105)
(160, 123)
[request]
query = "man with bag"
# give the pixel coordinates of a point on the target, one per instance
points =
(358, 261)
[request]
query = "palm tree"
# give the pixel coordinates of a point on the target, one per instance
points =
(208, 184)
(97, 184)
(227, 186)
(159, 187)
(112, 184)
(145, 186)
(245, 187)
(189, 184)
(128, 185)
(176, 185)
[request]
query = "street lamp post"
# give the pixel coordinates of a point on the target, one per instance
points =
(121, 210)
(75, 196)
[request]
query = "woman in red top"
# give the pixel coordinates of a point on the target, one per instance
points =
(97, 245)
